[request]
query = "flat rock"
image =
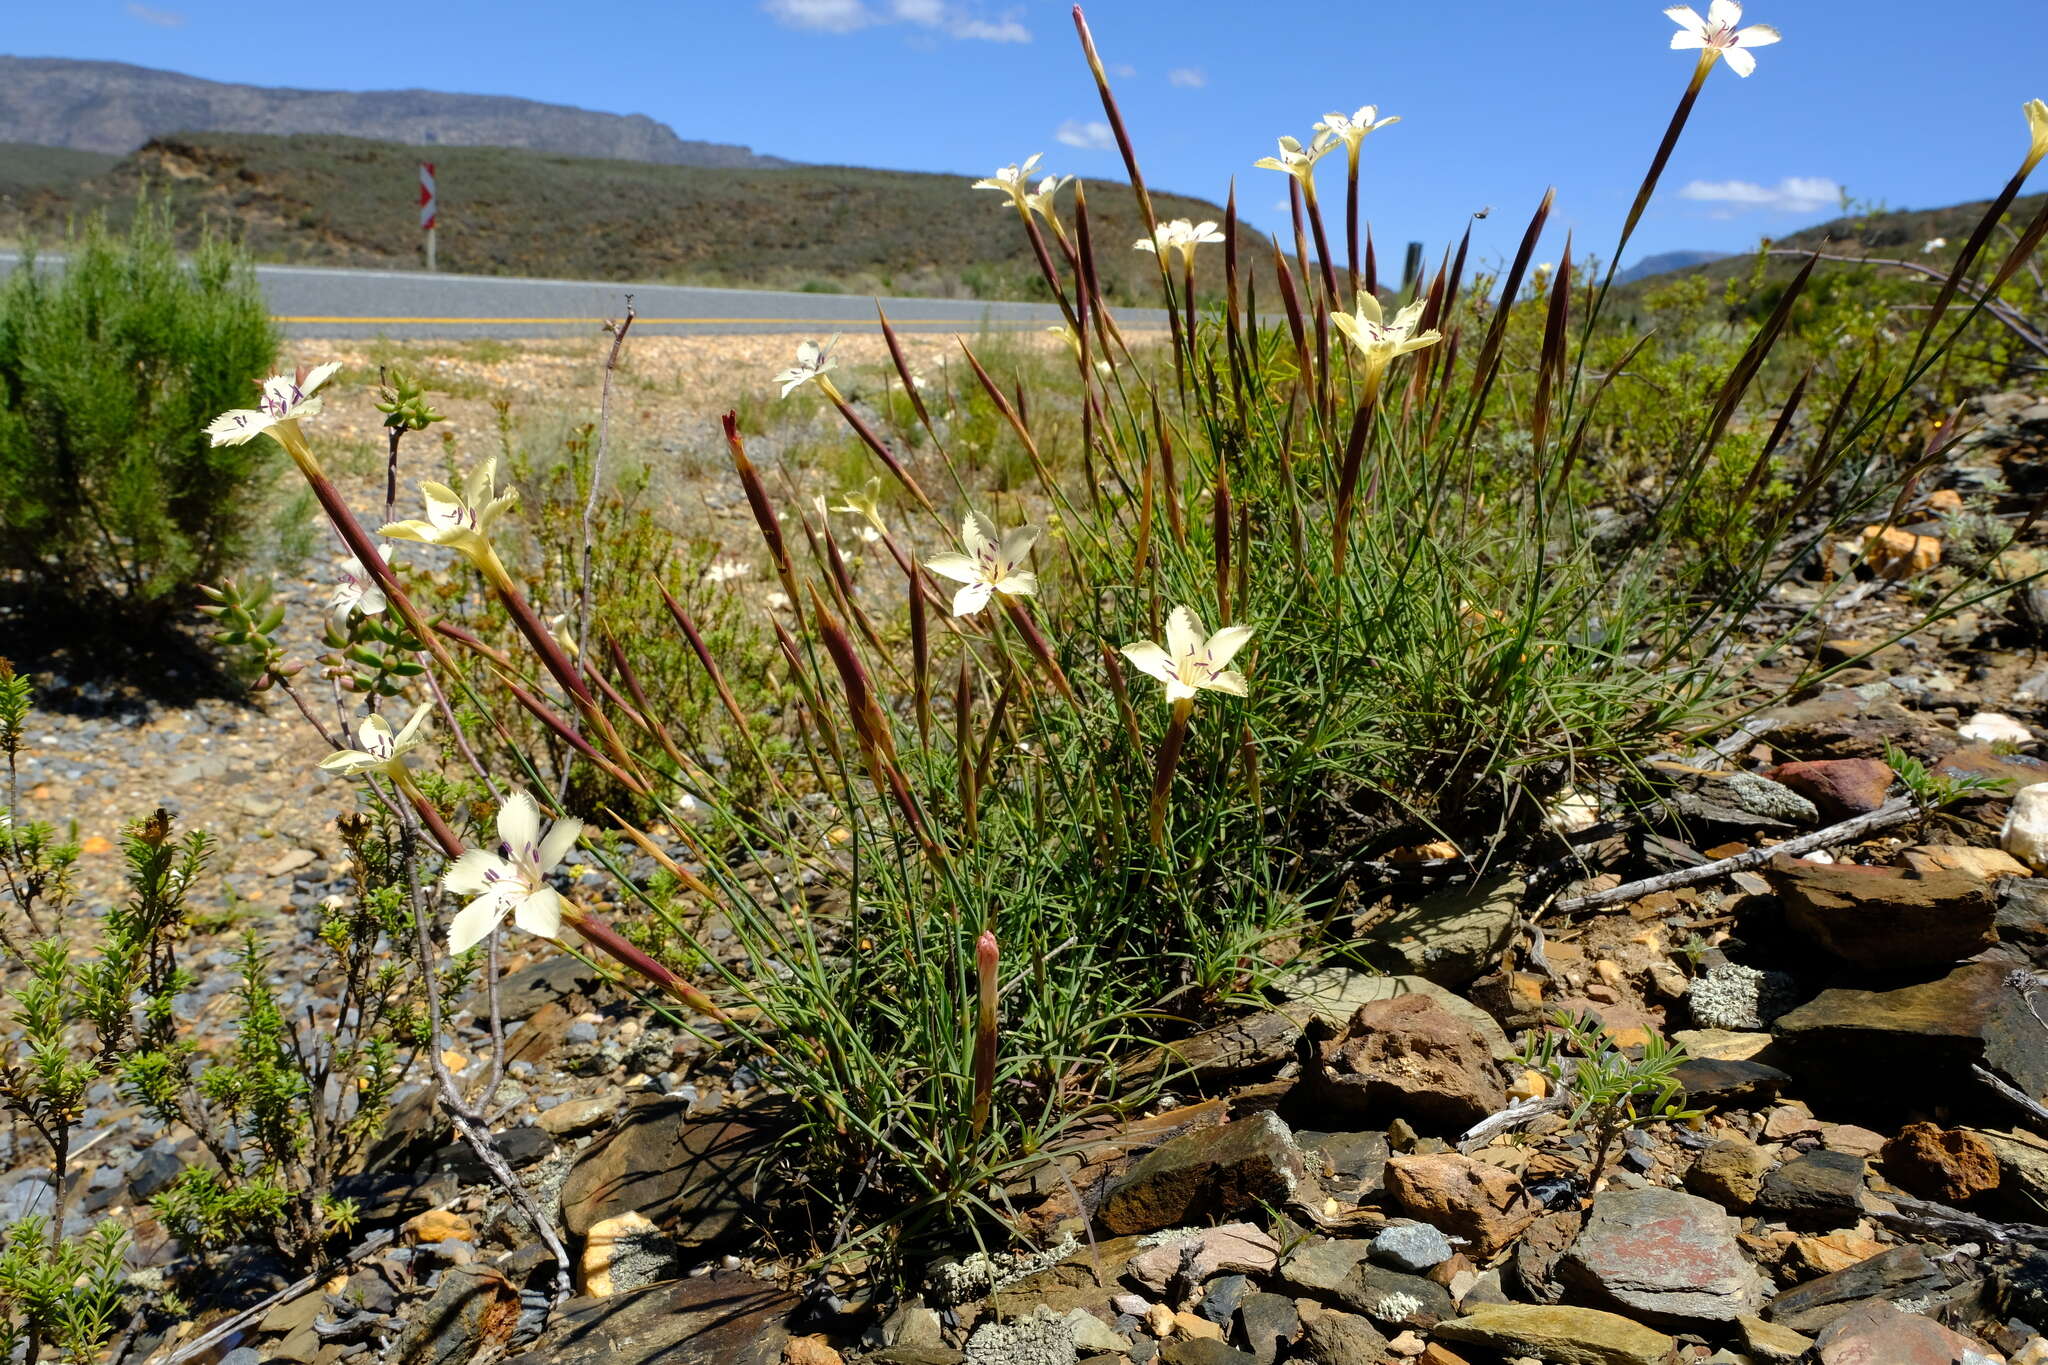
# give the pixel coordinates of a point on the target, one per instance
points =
(1728, 1084)
(1350, 1163)
(1032, 1341)
(1333, 994)
(1900, 1273)
(1880, 918)
(1483, 1204)
(1843, 723)
(1333, 1338)
(1818, 1185)
(1559, 1335)
(1198, 1351)
(1319, 1266)
(1932, 1031)
(1208, 1173)
(2022, 1170)
(1768, 1342)
(1452, 936)
(1267, 1322)
(1981, 760)
(693, 1177)
(2022, 918)
(1663, 1257)
(1251, 1043)
(1722, 1045)
(526, 990)
(1407, 1057)
(473, 1307)
(1394, 1298)
(1876, 1333)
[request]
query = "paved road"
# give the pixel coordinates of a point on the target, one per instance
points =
(310, 301)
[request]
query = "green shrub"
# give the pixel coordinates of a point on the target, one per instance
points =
(109, 372)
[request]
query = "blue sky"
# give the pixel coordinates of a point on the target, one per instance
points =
(1898, 105)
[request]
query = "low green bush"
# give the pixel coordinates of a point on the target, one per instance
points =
(110, 369)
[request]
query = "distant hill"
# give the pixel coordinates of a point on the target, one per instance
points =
(25, 167)
(1898, 234)
(1664, 262)
(113, 107)
(327, 200)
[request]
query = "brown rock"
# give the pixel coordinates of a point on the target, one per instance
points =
(1981, 760)
(1897, 553)
(1897, 1273)
(472, 1308)
(1465, 1198)
(723, 1318)
(1408, 1057)
(1809, 1257)
(1730, 1172)
(1880, 917)
(1838, 787)
(1843, 1040)
(1985, 864)
(1948, 1164)
(439, 1225)
(1209, 1172)
(692, 1176)
(1876, 1333)
(811, 1350)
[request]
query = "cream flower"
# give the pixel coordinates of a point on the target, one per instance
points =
(1353, 129)
(380, 751)
(1181, 237)
(1297, 160)
(286, 399)
(1191, 661)
(811, 364)
(460, 521)
(1379, 341)
(991, 565)
(1718, 36)
(1014, 181)
(1040, 200)
(726, 570)
(2037, 130)
(866, 504)
(355, 589)
(512, 879)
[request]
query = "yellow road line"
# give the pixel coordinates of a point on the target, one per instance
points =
(841, 323)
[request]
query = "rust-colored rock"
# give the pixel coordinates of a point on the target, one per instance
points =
(1408, 1057)
(1948, 1164)
(1465, 1198)
(1896, 553)
(1838, 787)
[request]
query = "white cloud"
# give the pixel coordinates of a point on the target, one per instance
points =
(938, 16)
(1093, 134)
(990, 31)
(1793, 194)
(1187, 77)
(156, 18)
(1123, 71)
(829, 16)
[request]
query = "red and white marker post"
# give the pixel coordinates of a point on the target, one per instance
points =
(427, 208)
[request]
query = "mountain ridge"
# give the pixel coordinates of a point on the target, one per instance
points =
(115, 107)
